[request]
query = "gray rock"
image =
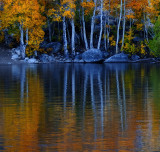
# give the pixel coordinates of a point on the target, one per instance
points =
(46, 58)
(55, 46)
(26, 59)
(68, 60)
(78, 61)
(32, 60)
(16, 51)
(135, 57)
(15, 57)
(121, 57)
(92, 55)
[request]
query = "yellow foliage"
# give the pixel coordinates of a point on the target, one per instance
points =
(54, 14)
(1, 36)
(139, 26)
(27, 14)
(142, 49)
(129, 46)
(88, 6)
(130, 16)
(112, 41)
(67, 8)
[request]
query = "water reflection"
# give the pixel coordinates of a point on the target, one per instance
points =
(79, 107)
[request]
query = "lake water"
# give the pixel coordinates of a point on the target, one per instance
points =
(80, 108)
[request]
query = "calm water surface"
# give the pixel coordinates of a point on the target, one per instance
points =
(80, 108)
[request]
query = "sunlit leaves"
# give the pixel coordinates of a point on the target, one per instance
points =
(88, 6)
(26, 13)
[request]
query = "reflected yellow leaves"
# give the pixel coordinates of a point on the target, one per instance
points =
(113, 111)
(21, 120)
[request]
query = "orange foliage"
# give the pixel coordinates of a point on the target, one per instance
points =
(26, 13)
(89, 5)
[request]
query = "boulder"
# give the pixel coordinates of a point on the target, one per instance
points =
(32, 60)
(92, 55)
(54, 46)
(121, 57)
(15, 57)
(44, 58)
(67, 60)
(16, 53)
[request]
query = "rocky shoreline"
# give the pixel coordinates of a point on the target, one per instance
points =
(12, 56)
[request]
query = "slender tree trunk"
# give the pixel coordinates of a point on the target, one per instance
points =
(119, 23)
(65, 37)
(84, 30)
(26, 36)
(108, 27)
(73, 37)
(22, 34)
(22, 46)
(81, 24)
(100, 34)
(105, 31)
(92, 25)
(124, 22)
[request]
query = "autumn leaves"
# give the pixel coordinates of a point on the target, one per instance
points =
(29, 18)
(24, 15)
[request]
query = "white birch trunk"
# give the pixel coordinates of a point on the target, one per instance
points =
(124, 24)
(105, 31)
(92, 25)
(119, 23)
(27, 36)
(21, 34)
(84, 30)
(65, 37)
(22, 46)
(73, 37)
(108, 28)
(101, 28)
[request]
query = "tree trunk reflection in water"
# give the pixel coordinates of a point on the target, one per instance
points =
(149, 114)
(73, 86)
(124, 100)
(101, 98)
(65, 86)
(85, 92)
(121, 103)
(22, 81)
(93, 105)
